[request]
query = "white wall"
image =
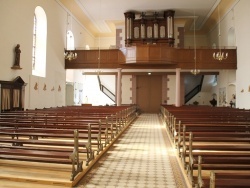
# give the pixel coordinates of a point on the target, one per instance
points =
(237, 18)
(225, 80)
(16, 20)
(105, 42)
(201, 40)
(92, 91)
(82, 36)
(242, 30)
(126, 89)
(203, 98)
(109, 82)
(171, 93)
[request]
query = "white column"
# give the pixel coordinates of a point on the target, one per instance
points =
(118, 87)
(178, 88)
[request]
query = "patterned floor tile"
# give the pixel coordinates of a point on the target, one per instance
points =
(140, 158)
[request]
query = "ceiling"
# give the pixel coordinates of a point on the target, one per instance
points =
(101, 17)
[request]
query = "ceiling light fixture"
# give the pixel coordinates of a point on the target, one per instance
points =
(69, 52)
(99, 43)
(219, 55)
(195, 71)
(70, 55)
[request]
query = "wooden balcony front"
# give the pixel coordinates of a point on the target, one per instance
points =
(152, 57)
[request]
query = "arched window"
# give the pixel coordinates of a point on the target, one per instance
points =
(231, 37)
(39, 43)
(70, 41)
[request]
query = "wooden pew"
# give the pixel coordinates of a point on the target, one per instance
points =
(46, 155)
(238, 175)
(37, 133)
(98, 130)
(43, 135)
(224, 132)
(228, 179)
(221, 137)
(218, 156)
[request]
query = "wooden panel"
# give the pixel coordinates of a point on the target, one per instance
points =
(155, 53)
(104, 56)
(142, 92)
(113, 55)
(152, 56)
(91, 56)
(142, 54)
(170, 55)
(149, 93)
(155, 93)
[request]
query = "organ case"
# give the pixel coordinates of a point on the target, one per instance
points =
(149, 28)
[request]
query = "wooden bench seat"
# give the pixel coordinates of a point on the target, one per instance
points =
(41, 148)
(206, 145)
(227, 170)
(48, 135)
(88, 136)
(176, 129)
(226, 156)
(43, 156)
(227, 180)
(108, 130)
(69, 156)
(33, 134)
(40, 156)
(210, 133)
(220, 136)
(112, 125)
(212, 136)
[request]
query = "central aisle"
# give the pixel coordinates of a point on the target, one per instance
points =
(141, 157)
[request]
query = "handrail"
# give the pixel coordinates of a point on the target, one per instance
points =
(108, 93)
(194, 91)
(105, 90)
(185, 47)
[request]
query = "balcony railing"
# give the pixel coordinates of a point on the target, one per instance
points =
(153, 56)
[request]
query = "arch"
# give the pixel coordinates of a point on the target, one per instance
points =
(70, 41)
(213, 46)
(231, 37)
(39, 42)
(231, 91)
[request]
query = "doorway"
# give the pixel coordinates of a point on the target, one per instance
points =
(149, 93)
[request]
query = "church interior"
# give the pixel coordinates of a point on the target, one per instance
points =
(124, 93)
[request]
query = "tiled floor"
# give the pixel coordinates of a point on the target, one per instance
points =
(142, 157)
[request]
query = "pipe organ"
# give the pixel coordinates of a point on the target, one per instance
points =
(149, 28)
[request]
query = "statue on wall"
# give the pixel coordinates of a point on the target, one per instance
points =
(17, 57)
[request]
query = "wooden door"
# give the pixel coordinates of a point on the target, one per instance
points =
(149, 93)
